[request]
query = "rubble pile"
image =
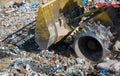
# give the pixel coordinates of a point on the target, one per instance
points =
(16, 16)
(49, 63)
(43, 64)
(19, 62)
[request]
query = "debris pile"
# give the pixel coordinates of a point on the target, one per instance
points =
(44, 63)
(49, 63)
(16, 16)
(19, 62)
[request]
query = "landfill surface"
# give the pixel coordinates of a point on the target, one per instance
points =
(29, 60)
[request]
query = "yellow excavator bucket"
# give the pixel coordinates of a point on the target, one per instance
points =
(50, 26)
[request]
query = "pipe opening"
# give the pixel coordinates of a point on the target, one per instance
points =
(90, 48)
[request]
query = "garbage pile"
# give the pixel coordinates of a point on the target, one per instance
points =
(49, 63)
(16, 15)
(18, 62)
(43, 64)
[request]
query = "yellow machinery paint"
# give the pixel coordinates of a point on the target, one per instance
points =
(45, 19)
(47, 32)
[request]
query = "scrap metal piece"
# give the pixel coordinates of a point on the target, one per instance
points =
(93, 41)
